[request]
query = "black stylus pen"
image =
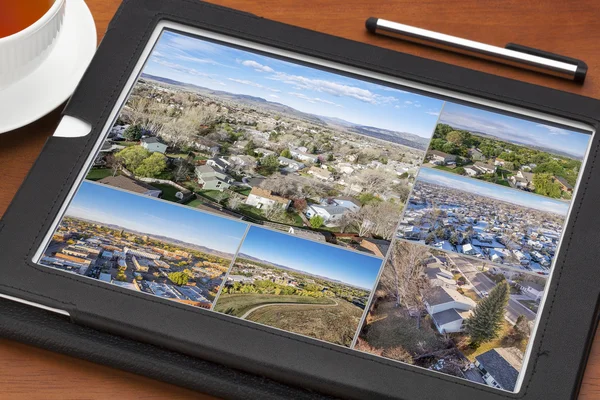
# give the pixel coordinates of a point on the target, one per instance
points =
(513, 54)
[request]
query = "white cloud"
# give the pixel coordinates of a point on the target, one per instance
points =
(313, 99)
(436, 113)
(257, 66)
(274, 96)
(553, 130)
(180, 68)
(332, 88)
(408, 102)
(246, 82)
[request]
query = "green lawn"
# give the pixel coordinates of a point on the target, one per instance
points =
(251, 212)
(194, 203)
(444, 168)
(168, 191)
(243, 191)
(96, 174)
(214, 195)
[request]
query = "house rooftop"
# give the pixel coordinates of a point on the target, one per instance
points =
(350, 199)
(204, 169)
(267, 194)
(441, 295)
(564, 182)
(150, 139)
(441, 154)
(503, 364)
(451, 315)
(125, 183)
(484, 165)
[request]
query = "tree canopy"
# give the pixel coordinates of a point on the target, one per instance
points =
(132, 156)
(486, 322)
(152, 166)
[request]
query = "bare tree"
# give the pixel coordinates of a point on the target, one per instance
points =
(235, 201)
(385, 218)
(373, 180)
(402, 275)
(274, 213)
(181, 172)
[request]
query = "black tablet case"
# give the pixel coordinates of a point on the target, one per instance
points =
(567, 323)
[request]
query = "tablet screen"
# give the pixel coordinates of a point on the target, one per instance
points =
(405, 224)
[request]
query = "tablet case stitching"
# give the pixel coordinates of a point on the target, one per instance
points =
(358, 354)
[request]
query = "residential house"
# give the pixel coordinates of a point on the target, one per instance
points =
(261, 198)
(448, 308)
(153, 145)
(290, 165)
(219, 164)
(303, 156)
(533, 290)
(472, 170)
(320, 173)
(412, 233)
(132, 185)
(500, 367)
(476, 154)
(485, 168)
(564, 185)
(439, 276)
(468, 249)
(440, 158)
(331, 214)
(348, 202)
(259, 150)
(141, 264)
(210, 179)
(522, 180)
(242, 161)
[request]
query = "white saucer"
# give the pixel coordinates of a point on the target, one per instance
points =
(56, 78)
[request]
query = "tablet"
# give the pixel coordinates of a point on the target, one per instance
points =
(342, 207)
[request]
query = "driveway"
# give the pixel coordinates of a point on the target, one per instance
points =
(481, 283)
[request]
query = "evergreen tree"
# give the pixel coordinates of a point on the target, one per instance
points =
(486, 322)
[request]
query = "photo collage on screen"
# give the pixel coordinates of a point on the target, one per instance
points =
(365, 216)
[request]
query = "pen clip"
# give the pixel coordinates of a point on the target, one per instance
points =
(581, 66)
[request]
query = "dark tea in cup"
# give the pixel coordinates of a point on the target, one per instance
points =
(16, 15)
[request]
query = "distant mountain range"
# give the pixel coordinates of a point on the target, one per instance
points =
(161, 238)
(402, 138)
(251, 258)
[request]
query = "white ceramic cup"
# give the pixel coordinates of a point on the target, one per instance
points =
(24, 51)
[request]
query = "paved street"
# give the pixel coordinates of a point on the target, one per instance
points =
(482, 283)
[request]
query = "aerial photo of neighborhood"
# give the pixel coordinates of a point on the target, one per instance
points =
(300, 286)
(484, 220)
(508, 151)
(145, 245)
(308, 152)
(452, 314)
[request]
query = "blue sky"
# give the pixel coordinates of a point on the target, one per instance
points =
(492, 190)
(312, 257)
(219, 67)
(515, 130)
(143, 214)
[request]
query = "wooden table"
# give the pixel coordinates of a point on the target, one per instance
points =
(566, 27)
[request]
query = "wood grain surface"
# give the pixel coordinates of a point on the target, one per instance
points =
(562, 26)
